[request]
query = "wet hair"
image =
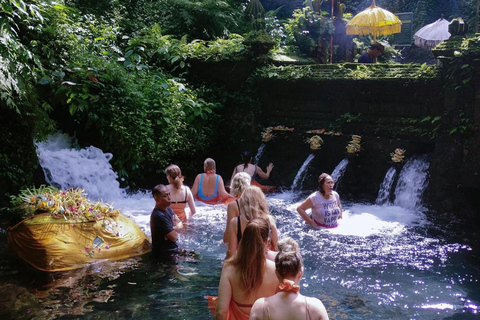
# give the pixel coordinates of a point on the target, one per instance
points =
(321, 181)
(250, 259)
(288, 261)
(246, 158)
(209, 165)
(158, 190)
(239, 182)
(253, 203)
(174, 172)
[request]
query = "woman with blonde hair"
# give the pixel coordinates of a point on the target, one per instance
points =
(209, 187)
(240, 181)
(180, 195)
(247, 276)
(288, 303)
(252, 205)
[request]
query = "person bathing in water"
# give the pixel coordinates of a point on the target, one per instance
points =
(251, 169)
(325, 204)
(209, 187)
(288, 303)
(180, 195)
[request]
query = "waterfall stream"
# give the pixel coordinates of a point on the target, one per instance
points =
(260, 152)
(339, 170)
(301, 174)
(386, 187)
(412, 182)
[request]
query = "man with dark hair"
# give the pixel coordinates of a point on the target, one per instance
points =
(162, 223)
(371, 55)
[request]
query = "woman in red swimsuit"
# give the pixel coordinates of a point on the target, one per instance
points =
(247, 276)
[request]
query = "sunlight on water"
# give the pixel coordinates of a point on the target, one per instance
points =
(382, 262)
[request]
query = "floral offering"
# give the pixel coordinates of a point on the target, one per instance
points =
(398, 155)
(71, 204)
(354, 145)
(315, 142)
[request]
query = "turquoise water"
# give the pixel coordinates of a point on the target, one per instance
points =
(382, 262)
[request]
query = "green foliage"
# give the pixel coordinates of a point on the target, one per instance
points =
(145, 118)
(153, 49)
(204, 19)
(18, 65)
(306, 28)
(351, 72)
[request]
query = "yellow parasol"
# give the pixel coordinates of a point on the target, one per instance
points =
(374, 20)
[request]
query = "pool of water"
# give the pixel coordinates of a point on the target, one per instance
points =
(382, 262)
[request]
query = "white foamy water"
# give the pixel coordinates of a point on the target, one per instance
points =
(88, 168)
(412, 182)
(361, 220)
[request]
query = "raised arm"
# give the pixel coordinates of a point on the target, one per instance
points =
(264, 175)
(301, 209)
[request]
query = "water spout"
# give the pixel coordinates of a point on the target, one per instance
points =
(386, 187)
(412, 182)
(302, 173)
(339, 170)
(259, 154)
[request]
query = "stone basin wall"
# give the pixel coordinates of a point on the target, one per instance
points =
(414, 107)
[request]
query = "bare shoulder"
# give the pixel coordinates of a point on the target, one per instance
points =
(317, 309)
(257, 310)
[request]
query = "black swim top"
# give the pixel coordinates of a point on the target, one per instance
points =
(239, 230)
(184, 201)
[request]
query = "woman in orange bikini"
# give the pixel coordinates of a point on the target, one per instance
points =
(288, 303)
(247, 276)
(209, 187)
(180, 195)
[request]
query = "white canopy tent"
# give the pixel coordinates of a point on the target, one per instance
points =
(432, 34)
